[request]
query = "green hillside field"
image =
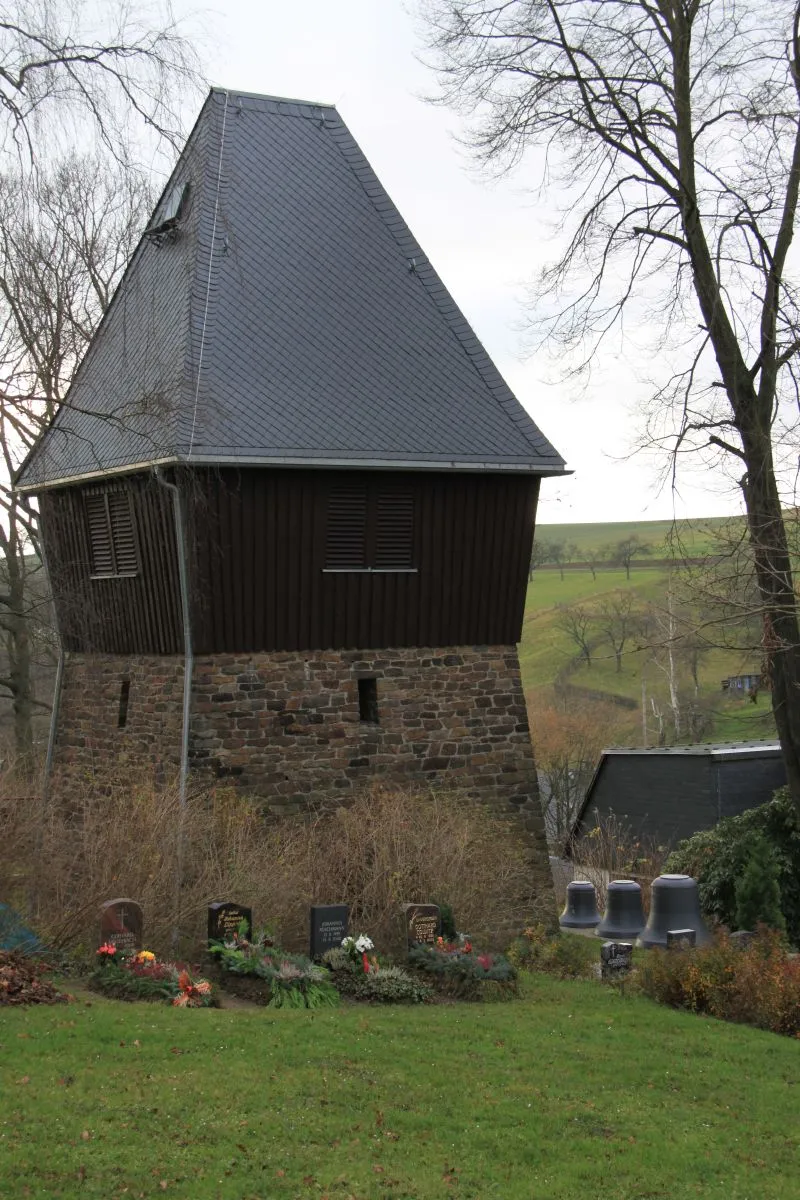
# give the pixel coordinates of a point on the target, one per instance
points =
(547, 654)
(691, 539)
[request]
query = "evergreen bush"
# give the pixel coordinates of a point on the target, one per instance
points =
(718, 857)
(758, 892)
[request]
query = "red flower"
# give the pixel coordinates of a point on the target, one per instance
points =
(365, 961)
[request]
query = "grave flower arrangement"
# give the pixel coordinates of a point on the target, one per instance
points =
(458, 970)
(123, 975)
(359, 975)
(265, 973)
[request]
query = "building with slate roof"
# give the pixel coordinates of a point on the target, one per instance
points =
(288, 503)
(667, 793)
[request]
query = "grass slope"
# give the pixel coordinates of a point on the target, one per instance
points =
(572, 1092)
(545, 651)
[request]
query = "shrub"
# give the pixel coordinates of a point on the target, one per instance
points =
(564, 955)
(717, 857)
(757, 891)
(387, 847)
(461, 971)
(758, 985)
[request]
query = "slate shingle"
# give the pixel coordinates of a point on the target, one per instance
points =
(293, 319)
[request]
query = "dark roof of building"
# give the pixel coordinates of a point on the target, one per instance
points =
(716, 751)
(289, 317)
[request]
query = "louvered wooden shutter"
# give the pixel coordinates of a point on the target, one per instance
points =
(394, 529)
(123, 536)
(346, 545)
(100, 546)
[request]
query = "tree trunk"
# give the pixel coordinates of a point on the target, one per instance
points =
(781, 638)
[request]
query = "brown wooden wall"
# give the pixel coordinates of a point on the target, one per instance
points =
(260, 552)
(140, 614)
(257, 539)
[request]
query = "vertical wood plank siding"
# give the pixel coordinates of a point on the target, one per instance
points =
(257, 549)
(138, 614)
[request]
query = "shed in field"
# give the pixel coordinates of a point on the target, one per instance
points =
(669, 793)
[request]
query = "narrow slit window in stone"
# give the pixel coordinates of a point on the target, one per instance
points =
(368, 701)
(124, 693)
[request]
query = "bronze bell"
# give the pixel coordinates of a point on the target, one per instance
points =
(624, 915)
(674, 904)
(581, 910)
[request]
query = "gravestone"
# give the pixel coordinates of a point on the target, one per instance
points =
(328, 927)
(224, 919)
(742, 938)
(681, 939)
(616, 959)
(121, 924)
(423, 923)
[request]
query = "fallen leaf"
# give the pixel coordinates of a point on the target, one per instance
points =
(308, 1180)
(378, 1169)
(163, 1185)
(85, 1135)
(25, 1079)
(136, 1042)
(280, 1173)
(81, 1174)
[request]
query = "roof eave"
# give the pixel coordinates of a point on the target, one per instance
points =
(547, 470)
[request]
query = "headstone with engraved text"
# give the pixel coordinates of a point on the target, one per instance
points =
(329, 924)
(616, 959)
(423, 923)
(224, 919)
(121, 924)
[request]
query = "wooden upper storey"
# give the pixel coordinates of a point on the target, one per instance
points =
(282, 559)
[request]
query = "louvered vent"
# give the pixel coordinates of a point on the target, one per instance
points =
(346, 546)
(394, 532)
(112, 537)
(99, 534)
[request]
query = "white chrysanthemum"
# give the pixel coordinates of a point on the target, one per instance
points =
(364, 943)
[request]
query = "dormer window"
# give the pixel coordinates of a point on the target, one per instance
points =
(370, 527)
(171, 213)
(112, 535)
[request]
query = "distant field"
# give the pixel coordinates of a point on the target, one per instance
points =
(547, 653)
(690, 539)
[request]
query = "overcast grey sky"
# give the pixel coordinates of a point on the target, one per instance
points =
(485, 238)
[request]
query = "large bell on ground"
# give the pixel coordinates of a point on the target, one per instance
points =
(624, 915)
(674, 904)
(581, 911)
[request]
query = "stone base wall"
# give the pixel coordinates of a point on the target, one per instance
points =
(92, 746)
(288, 727)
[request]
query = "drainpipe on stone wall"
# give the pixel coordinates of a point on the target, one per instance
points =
(188, 670)
(33, 898)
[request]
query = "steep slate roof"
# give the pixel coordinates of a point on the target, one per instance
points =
(293, 319)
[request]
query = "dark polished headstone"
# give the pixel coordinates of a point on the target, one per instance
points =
(616, 959)
(423, 923)
(121, 924)
(329, 924)
(224, 919)
(681, 939)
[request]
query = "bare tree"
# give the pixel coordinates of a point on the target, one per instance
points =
(626, 551)
(65, 237)
(619, 620)
(593, 558)
(79, 66)
(577, 623)
(680, 120)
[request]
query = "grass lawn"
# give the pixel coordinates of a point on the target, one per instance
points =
(572, 1093)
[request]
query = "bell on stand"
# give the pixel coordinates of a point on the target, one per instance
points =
(624, 915)
(581, 910)
(674, 904)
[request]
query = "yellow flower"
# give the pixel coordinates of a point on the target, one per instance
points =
(145, 956)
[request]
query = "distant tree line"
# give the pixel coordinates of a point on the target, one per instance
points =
(549, 552)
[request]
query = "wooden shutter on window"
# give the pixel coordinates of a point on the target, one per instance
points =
(123, 537)
(102, 551)
(112, 537)
(394, 529)
(346, 545)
